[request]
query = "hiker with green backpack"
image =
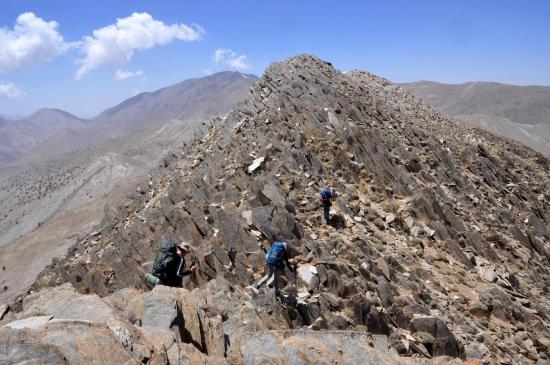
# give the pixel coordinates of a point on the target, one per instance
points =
(169, 266)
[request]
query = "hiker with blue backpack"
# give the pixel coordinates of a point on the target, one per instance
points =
(169, 266)
(276, 258)
(326, 197)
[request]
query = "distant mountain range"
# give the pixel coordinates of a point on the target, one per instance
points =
(49, 197)
(49, 133)
(189, 99)
(518, 112)
(20, 136)
(11, 117)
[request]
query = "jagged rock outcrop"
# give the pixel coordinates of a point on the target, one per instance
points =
(438, 242)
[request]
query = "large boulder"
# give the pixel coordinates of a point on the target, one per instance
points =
(64, 302)
(444, 342)
(404, 313)
(316, 348)
(160, 307)
(26, 347)
(275, 223)
(271, 195)
(215, 318)
(377, 322)
(79, 342)
(59, 341)
(76, 326)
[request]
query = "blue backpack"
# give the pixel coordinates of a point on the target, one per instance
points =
(276, 254)
(326, 194)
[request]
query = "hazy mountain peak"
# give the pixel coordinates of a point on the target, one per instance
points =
(198, 98)
(193, 98)
(21, 136)
(52, 112)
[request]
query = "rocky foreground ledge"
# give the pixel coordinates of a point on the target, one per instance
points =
(61, 326)
(437, 251)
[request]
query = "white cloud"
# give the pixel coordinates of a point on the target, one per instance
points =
(10, 90)
(32, 41)
(115, 44)
(123, 74)
(231, 58)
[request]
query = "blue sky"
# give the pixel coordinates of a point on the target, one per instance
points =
(448, 41)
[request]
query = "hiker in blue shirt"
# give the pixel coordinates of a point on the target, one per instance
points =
(276, 259)
(326, 197)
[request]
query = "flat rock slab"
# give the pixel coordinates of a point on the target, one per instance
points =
(80, 342)
(271, 195)
(43, 340)
(64, 302)
(34, 323)
(160, 310)
(25, 347)
(314, 347)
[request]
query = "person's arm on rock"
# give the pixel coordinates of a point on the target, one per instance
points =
(183, 272)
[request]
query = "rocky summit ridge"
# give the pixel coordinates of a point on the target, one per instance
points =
(437, 248)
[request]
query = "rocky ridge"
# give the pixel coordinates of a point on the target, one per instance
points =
(438, 246)
(49, 204)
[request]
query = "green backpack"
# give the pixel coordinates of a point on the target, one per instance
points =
(165, 255)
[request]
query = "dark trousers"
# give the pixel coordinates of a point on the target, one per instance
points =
(326, 209)
(273, 270)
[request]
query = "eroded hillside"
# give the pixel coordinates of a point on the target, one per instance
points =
(518, 112)
(50, 202)
(438, 244)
